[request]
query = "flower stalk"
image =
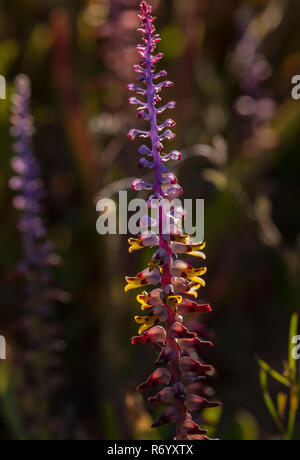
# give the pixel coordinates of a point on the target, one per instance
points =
(167, 305)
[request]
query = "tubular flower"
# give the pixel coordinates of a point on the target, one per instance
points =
(166, 305)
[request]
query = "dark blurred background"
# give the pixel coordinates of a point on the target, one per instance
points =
(238, 127)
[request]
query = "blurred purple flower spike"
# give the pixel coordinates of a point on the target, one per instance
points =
(27, 183)
(38, 333)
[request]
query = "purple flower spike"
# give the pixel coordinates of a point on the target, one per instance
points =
(38, 335)
(28, 181)
(166, 305)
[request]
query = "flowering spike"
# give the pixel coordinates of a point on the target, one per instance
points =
(38, 333)
(169, 303)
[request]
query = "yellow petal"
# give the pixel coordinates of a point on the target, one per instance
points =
(134, 283)
(144, 328)
(134, 245)
(173, 300)
(197, 254)
(142, 298)
(144, 319)
(198, 280)
(193, 291)
(152, 266)
(199, 247)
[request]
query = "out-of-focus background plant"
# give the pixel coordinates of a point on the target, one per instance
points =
(284, 412)
(233, 63)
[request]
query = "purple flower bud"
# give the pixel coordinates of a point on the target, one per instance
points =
(156, 334)
(174, 155)
(187, 364)
(165, 396)
(143, 163)
(178, 331)
(143, 150)
(187, 306)
(189, 427)
(167, 354)
(195, 343)
(169, 415)
(169, 105)
(195, 402)
(132, 134)
(159, 377)
(160, 74)
(179, 390)
(139, 184)
(167, 135)
(157, 58)
(135, 101)
(174, 191)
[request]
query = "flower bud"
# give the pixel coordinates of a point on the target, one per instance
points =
(175, 155)
(187, 364)
(143, 163)
(159, 377)
(178, 331)
(189, 378)
(165, 396)
(139, 184)
(144, 150)
(196, 343)
(167, 354)
(189, 428)
(195, 402)
(156, 334)
(179, 390)
(174, 191)
(187, 306)
(170, 414)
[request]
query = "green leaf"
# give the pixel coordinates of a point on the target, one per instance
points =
(268, 400)
(280, 378)
(294, 405)
(282, 400)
